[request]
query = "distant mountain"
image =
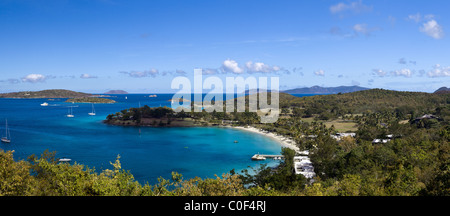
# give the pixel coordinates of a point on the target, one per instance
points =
(325, 90)
(442, 90)
(254, 91)
(116, 92)
(52, 93)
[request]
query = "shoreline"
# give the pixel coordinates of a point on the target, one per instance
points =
(282, 140)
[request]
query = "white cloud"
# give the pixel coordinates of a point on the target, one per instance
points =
(87, 76)
(418, 17)
(319, 73)
(180, 72)
(379, 72)
(403, 72)
(231, 66)
(34, 78)
(152, 72)
(432, 29)
(141, 74)
(402, 61)
(356, 7)
(439, 71)
(11, 81)
(209, 71)
(259, 67)
(415, 17)
(363, 29)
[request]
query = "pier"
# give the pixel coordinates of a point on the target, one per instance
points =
(264, 156)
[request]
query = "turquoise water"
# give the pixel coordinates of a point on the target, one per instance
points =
(156, 152)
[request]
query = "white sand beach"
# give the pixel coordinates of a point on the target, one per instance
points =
(284, 141)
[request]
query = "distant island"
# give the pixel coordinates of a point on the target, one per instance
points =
(52, 93)
(116, 92)
(89, 100)
(442, 90)
(325, 90)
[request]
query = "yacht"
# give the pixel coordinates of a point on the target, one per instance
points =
(7, 138)
(44, 104)
(70, 115)
(93, 111)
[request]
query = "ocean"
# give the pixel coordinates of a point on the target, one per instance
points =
(148, 155)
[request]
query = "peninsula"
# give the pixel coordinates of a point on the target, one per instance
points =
(51, 93)
(153, 117)
(89, 100)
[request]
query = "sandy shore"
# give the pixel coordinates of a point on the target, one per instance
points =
(284, 141)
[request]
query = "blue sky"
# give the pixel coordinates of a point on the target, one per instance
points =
(140, 46)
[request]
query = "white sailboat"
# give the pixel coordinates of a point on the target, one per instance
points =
(64, 160)
(93, 111)
(70, 115)
(7, 138)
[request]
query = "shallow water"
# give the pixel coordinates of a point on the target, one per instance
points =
(153, 153)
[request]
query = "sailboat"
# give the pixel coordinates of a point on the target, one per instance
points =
(70, 115)
(7, 138)
(93, 111)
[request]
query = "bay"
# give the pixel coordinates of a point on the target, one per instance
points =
(152, 153)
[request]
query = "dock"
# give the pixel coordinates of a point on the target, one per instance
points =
(264, 156)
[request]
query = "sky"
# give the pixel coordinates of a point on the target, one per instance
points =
(141, 46)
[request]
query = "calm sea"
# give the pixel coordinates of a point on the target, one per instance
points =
(153, 153)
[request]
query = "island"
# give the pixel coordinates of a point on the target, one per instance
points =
(442, 90)
(89, 100)
(116, 92)
(51, 93)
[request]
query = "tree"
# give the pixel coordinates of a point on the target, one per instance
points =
(15, 179)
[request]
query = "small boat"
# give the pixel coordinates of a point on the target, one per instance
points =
(7, 138)
(93, 111)
(152, 96)
(258, 157)
(64, 160)
(44, 104)
(70, 115)
(235, 141)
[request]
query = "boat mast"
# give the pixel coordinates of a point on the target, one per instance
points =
(6, 128)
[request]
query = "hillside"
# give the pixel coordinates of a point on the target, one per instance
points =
(374, 100)
(52, 93)
(325, 90)
(442, 90)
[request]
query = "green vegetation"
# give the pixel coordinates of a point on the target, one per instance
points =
(89, 100)
(167, 117)
(53, 93)
(155, 117)
(415, 162)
